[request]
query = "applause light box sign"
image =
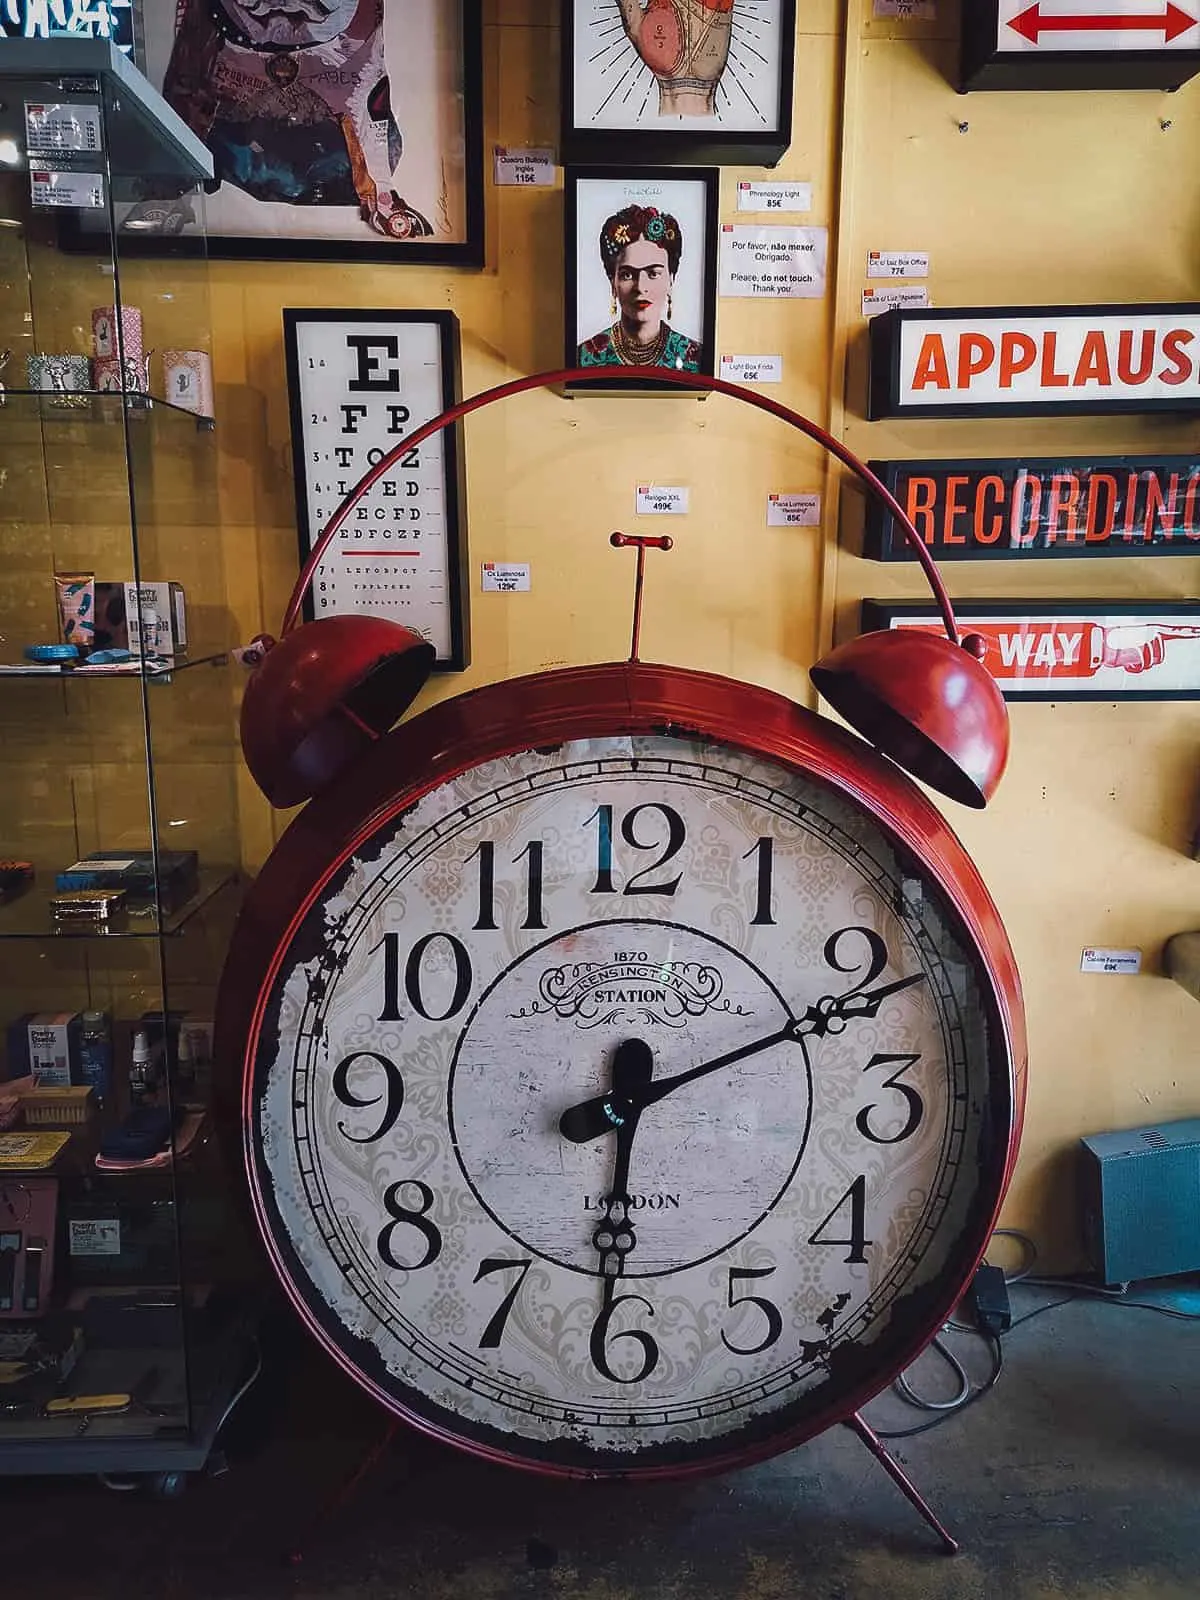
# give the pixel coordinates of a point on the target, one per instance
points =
(1044, 506)
(1064, 650)
(1079, 44)
(1034, 360)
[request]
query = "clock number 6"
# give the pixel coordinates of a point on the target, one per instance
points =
(769, 1310)
(410, 1217)
(916, 1106)
(598, 1343)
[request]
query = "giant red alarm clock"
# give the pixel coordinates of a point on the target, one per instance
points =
(632, 1059)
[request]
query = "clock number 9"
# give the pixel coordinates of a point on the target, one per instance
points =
(598, 1343)
(912, 1100)
(412, 1218)
(346, 1096)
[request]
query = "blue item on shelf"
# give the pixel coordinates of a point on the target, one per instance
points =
(144, 1132)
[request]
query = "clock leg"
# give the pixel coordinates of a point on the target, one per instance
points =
(347, 1491)
(859, 1426)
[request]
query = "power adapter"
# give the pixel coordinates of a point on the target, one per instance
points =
(989, 1294)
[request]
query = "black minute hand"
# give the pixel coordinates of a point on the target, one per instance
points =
(590, 1119)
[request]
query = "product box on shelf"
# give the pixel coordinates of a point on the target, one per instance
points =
(133, 871)
(45, 1045)
(124, 612)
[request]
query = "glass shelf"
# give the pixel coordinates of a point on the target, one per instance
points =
(29, 916)
(95, 405)
(65, 672)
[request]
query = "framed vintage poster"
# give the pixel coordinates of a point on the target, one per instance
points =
(1070, 649)
(677, 80)
(340, 130)
(1029, 507)
(359, 381)
(641, 264)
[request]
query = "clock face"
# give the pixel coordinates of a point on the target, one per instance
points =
(626, 1105)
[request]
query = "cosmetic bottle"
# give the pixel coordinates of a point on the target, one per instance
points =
(141, 1070)
(95, 1054)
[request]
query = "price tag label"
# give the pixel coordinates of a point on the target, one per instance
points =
(655, 501)
(506, 577)
(99, 1236)
(54, 190)
(908, 294)
(752, 369)
(1126, 961)
(61, 127)
(793, 511)
(774, 196)
(531, 168)
(897, 264)
(907, 10)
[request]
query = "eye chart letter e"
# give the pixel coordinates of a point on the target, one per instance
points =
(359, 382)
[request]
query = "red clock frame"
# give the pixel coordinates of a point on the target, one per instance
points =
(598, 701)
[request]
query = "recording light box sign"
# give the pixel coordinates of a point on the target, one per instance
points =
(1044, 506)
(1090, 650)
(1079, 44)
(1027, 361)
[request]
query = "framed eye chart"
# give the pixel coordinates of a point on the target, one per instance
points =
(647, 81)
(358, 382)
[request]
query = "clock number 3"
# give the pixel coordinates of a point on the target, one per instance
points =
(912, 1100)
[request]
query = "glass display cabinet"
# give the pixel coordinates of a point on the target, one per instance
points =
(124, 1332)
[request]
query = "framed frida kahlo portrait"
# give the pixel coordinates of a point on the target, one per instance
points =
(641, 262)
(678, 80)
(339, 129)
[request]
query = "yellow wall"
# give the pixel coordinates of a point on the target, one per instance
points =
(1042, 198)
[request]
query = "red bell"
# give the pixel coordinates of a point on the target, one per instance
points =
(928, 704)
(324, 694)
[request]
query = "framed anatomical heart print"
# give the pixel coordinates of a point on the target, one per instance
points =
(339, 129)
(678, 80)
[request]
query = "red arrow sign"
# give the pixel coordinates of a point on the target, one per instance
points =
(1033, 23)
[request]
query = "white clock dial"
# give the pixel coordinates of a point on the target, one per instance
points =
(553, 941)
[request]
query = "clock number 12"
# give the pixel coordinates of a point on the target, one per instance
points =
(676, 835)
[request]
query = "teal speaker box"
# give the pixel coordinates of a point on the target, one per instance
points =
(1141, 1201)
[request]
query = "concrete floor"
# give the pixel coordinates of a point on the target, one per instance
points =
(1078, 1476)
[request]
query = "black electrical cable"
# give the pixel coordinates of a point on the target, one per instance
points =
(976, 1394)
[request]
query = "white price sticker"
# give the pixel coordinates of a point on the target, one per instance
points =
(61, 127)
(907, 10)
(656, 501)
(793, 511)
(774, 197)
(506, 577)
(1128, 961)
(54, 190)
(908, 294)
(529, 168)
(897, 264)
(100, 1236)
(752, 369)
(777, 261)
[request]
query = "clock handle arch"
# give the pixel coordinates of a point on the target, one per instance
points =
(684, 380)
(329, 689)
